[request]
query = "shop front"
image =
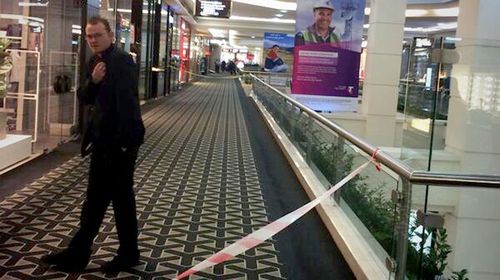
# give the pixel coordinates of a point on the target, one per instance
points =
(40, 109)
(40, 103)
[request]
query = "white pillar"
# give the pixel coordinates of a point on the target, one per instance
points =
(383, 64)
(474, 134)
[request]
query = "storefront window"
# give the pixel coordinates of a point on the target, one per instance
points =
(118, 13)
(175, 54)
(185, 43)
(41, 100)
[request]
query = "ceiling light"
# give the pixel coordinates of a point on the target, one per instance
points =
(438, 27)
(273, 4)
(284, 11)
(416, 13)
(217, 33)
(278, 15)
(25, 4)
(277, 20)
(450, 12)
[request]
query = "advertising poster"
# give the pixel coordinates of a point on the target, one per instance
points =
(327, 54)
(278, 52)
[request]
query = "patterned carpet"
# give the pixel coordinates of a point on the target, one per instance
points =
(197, 191)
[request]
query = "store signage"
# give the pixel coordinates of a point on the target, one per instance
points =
(423, 42)
(213, 8)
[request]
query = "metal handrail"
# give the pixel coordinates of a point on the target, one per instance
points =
(402, 169)
(266, 73)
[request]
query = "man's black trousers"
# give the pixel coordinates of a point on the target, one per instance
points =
(111, 179)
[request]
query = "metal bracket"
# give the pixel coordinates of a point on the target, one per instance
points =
(396, 197)
(391, 264)
(431, 220)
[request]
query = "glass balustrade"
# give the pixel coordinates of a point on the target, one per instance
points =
(417, 231)
(366, 200)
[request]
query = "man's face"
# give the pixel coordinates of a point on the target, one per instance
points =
(98, 38)
(323, 18)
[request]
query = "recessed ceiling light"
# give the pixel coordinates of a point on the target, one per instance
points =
(277, 20)
(279, 15)
(283, 11)
(253, 37)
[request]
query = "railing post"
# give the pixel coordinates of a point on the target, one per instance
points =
(293, 122)
(402, 230)
(309, 139)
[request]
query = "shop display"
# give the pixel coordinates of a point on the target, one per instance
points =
(5, 67)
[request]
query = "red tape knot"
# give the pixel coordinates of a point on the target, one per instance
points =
(378, 166)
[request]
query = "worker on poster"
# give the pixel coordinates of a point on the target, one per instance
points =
(327, 54)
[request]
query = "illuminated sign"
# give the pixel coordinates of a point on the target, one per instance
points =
(213, 8)
(423, 42)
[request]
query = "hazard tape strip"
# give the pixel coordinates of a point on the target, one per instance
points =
(261, 235)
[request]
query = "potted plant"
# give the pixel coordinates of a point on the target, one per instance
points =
(5, 66)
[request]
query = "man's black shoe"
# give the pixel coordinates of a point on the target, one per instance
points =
(68, 260)
(119, 263)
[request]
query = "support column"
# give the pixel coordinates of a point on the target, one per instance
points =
(474, 134)
(383, 64)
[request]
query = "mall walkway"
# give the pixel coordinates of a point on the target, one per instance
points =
(208, 174)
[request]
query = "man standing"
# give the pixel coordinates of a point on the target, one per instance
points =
(113, 136)
(320, 31)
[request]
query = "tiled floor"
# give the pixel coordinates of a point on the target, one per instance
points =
(208, 174)
(197, 191)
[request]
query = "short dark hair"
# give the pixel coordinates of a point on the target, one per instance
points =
(98, 19)
(274, 46)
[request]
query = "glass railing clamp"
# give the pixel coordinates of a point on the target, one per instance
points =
(430, 220)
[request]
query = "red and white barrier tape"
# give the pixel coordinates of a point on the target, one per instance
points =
(271, 229)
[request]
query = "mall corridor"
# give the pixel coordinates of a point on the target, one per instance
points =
(208, 174)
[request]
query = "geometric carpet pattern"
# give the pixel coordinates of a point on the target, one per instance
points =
(197, 191)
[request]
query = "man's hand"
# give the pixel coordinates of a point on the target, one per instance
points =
(99, 72)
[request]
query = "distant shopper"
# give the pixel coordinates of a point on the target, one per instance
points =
(223, 66)
(320, 31)
(113, 137)
(273, 62)
(217, 66)
(231, 67)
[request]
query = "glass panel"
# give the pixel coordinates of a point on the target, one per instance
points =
(460, 102)
(45, 39)
(466, 238)
(423, 98)
(163, 50)
(146, 47)
(62, 101)
(366, 200)
(175, 54)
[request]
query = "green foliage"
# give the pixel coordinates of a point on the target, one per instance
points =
(460, 275)
(5, 66)
(247, 79)
(435, 263)
(369, 203)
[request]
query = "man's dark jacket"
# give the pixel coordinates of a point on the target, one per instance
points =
(115, 118)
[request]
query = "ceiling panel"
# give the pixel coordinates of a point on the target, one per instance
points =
(252, 32)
